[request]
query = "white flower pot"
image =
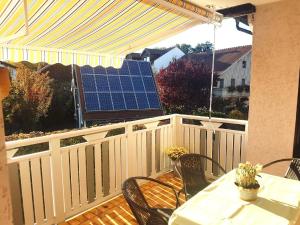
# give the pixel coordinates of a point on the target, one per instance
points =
(248, 194)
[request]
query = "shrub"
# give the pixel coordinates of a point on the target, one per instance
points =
(236, 114)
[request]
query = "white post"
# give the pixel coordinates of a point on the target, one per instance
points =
(54, 146)
(176, 121)
(131, 153)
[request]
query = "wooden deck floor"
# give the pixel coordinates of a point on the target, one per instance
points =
(117, 211)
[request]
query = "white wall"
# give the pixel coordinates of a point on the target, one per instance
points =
(164, 61)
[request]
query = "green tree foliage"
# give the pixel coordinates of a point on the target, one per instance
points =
(184, 86)
(61, 110)
(186, 48)
(29, 100)
(201, 47)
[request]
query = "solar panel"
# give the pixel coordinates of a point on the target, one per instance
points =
(132, 87)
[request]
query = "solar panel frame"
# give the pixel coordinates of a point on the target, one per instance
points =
(122, 98)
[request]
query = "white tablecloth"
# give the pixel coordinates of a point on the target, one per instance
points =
(219, 203)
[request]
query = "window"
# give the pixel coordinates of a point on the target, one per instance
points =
(232, 82)
(221, 83)
(244, 64)
(243, 82)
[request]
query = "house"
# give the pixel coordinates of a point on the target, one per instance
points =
(11, 68)
(232, 67)
(134, 56)
(161, 58)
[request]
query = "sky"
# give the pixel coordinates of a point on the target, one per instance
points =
(227, 36)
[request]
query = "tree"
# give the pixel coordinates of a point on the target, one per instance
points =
(185, 48)
(203, 47)
(61, 110)
(184, 86)
(29, 100)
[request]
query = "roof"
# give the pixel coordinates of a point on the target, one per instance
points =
(155, 53)
(223, 57)
(134, 55)
(91, 32)
(6, 64)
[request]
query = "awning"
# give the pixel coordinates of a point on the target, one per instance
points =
(94, 32)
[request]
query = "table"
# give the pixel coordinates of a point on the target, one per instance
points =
(219, 203)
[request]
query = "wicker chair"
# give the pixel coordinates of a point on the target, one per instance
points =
(293, 171)
(144, 214)
(193, 173)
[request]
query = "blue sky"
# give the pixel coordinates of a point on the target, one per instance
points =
(226, 36)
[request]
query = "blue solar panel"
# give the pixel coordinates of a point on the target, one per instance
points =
(102, 83)
(105, 101)
(126, 83)
(149, 84)
(142, 100)
(130, 101)
(145, 68)
(89, 84)
(91, 101)
(138, 84)
(99, 70)
(134, 68)
(114, 83)
(132, 87)
(124, 69)
(87, 70)
(112, 71)
(153, 100)
(118, 101)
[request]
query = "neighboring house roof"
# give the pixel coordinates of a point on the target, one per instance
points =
(134, 56)
(6, 64)
(223, 57)
(154, 53)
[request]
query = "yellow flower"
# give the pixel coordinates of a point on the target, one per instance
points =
(175, 152)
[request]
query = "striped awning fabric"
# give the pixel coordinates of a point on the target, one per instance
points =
(93, 32)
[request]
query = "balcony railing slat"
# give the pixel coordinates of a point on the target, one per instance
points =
(144, 154)
(209, 150)
(223, 155)
(112, 167)
(229, 158)
(66, 180)
(98, 171)
(118, 164)
(237, 150)
(82, 175)
(47, 185)
(26, 192)
(37, 190)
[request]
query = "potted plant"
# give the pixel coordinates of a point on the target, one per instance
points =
(174, 153)
(246, 180)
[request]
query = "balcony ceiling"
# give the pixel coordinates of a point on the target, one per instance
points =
(219, 4)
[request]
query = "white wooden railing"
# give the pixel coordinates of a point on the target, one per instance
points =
(49, 186)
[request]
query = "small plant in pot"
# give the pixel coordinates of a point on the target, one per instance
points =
(174, 153)
(246, 180)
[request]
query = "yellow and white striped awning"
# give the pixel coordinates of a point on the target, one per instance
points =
(94, 32)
